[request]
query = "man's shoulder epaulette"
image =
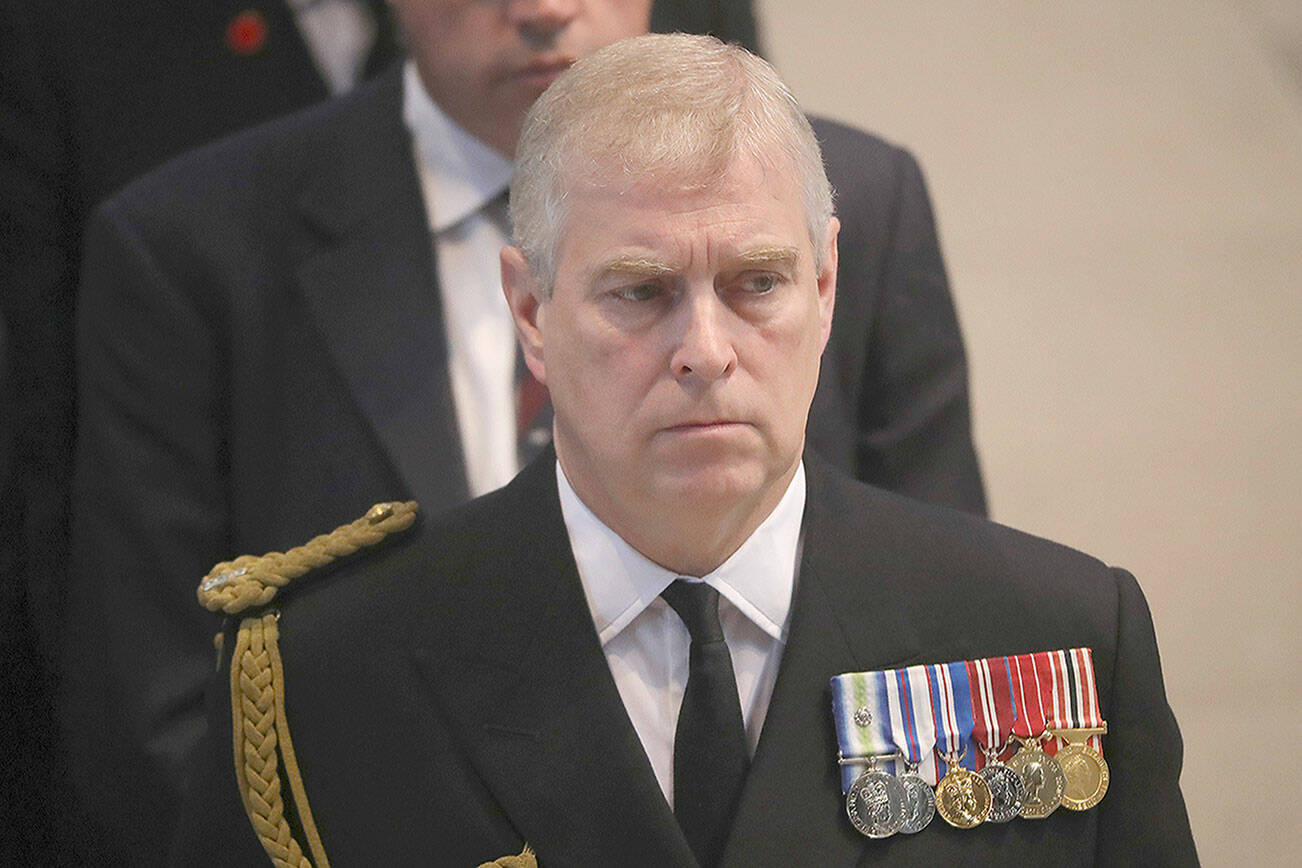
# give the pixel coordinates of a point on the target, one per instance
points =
(263, 749)
(251, 581)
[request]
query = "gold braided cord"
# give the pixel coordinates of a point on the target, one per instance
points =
(250, 581)
(260, 729)
(291, 761)
(255, 697)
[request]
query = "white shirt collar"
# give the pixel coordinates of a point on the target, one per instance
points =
(619, 582)
(459, 174)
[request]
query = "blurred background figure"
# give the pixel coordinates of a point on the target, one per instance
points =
(92, 94)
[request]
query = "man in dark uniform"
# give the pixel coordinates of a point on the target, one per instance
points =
(623, 656)
(283, 328)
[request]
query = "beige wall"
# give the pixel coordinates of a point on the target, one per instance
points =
(1119, 192)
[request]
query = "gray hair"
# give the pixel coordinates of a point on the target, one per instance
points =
(670, 109)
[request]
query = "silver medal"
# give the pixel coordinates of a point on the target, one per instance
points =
(875, 804)
(919, 803)
(1007, 791)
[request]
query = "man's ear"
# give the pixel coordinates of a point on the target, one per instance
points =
(526, 303)
(827, 280)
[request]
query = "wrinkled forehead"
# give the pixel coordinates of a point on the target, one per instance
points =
(748, 212)
(731, 175)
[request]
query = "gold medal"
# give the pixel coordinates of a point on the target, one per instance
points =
(962, 797)
(1085, 770)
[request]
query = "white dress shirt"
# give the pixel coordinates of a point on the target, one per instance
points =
(463, 181)
(646, 643)
(339, 35)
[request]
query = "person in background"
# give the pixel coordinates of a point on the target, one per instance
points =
(93, 94)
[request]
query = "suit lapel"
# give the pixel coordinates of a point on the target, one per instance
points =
(534, 704)
(366, 271)
(846, 617)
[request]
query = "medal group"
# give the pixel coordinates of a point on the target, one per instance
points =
(965, 717)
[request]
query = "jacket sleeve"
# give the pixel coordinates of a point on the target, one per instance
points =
(1142, 819)
(149, 520)
(914, 425)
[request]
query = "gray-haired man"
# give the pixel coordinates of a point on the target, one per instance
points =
(622, 657)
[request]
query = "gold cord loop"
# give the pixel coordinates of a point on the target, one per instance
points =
(261, 741)
(250, 581)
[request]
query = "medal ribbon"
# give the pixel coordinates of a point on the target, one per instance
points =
(859, 692)
(913, 722)
(1026, 693)
(993, 710)
(1074, 697)
(951, 697)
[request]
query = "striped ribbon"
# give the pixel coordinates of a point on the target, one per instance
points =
(957, 707)
(951, 696)
(993, 709)
(1067, 683)
(913, 719)
(854, 695)
(1030, 706)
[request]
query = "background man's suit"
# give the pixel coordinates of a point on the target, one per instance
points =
(92, 94)
(449, 698)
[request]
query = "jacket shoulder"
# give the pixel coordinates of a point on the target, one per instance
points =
(966, 575)
(265, 160)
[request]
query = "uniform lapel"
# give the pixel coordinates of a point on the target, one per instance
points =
(534, 704)
(366, 271)
(847, 616)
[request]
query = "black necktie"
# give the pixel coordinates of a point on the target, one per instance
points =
(710, 756)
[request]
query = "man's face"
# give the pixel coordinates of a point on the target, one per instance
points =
(681, 343)
(486, 61)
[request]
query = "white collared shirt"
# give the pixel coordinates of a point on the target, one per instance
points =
(646, 643)
(462, 180)
(339, 35)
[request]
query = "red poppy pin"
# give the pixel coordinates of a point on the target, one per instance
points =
(247, 33)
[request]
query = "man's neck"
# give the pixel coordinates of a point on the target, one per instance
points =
(690, 540)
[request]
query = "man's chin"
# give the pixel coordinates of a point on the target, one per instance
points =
(709, 485)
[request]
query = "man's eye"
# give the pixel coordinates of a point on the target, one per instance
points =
(760, 283)
(639, 292)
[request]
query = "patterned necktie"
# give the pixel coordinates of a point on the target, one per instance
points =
(533, 412)
(533, 406)
(710, 755)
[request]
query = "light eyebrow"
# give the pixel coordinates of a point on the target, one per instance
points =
(788, 256)
(635, 266)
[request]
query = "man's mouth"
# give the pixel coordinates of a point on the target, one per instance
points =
(542, 72)
(704, 426)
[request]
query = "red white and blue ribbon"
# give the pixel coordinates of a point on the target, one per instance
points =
(956, 708)
(861, 712)
(952, 700)
(913, 720)
(993, 709)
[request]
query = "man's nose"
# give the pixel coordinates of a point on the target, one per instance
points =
(705, 352)
(540, 19)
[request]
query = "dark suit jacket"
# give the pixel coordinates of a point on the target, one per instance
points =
(92, 94)
(449, 699)
(263, 356)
